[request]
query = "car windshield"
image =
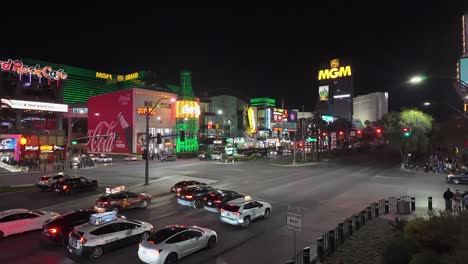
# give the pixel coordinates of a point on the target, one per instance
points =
(164, 234)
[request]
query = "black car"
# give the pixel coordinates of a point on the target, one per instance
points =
(216, 200)
(182, 184)
(57, 229)
(78, 184)
(194, 195)
(459, 178)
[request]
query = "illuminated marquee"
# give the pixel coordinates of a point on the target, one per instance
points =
(189, 109)
(30, 105)
(335, 71)
(251, 116)
(142, 111)
(105, 76)
(131, 76)
(280, 115)
(19, 68)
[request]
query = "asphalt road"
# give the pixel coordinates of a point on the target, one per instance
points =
(328, 192)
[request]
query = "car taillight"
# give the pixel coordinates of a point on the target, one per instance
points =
(236, 213)
(105, 203)
(46, 181)
(52, 231)
(189, 196)
(212, 194)
(178, 189)
(82, 240)
(64, 187)
(205, 199)
(217, 201)
(158, 251)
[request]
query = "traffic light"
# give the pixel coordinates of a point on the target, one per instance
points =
(359, 133)
(341, 134)
(182, 136)
(379, 132)
(324, 134)
(158, 138)
(406, 131)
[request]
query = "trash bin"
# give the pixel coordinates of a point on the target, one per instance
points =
(403, 207)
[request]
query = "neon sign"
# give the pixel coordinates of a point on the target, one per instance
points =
(105, 76)
(7, 143)
(19, 68)
(251, 116)
(30, 105)
(142, 111)
(280, 115)
(335, 71)
(189, 109)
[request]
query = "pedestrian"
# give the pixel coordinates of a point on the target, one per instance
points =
(465, 200)
(448, 195)
(457, 197)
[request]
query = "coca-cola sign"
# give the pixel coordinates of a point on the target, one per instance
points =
(112, 130)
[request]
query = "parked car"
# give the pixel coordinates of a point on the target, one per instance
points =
(103, 158)
(49, 182)
(17, 221)
(77, 184)
(169, 157)
(175, 242)
(458, 178)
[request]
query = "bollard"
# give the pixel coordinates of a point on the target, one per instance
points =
(369, 213)
(341, 233)
(320, 251)
(331, 241)
(350, 226)
(356, 222)
(306, 255)
(386, 207)
(413, 204)
(376, 210)
(429, 201)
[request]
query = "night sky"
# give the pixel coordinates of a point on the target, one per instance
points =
(268, 51)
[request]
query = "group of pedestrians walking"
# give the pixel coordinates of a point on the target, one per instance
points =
(455, 202)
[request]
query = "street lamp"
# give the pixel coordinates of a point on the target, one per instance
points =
(147, 115)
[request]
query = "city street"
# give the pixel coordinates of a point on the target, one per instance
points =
(329, 192)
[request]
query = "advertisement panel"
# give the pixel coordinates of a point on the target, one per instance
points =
(31, 105)
(8, 144)
(110, 125)
(292, 116)
(464, 70)
(280, 115)
(323, 92)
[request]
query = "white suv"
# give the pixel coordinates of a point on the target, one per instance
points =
(243, 210)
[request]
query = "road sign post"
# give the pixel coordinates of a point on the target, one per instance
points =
(294, 222)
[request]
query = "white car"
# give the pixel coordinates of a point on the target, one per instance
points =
(175, 242)
(106, 231)
(130, 158)
(243, 210)
(103, 158)
(17, 221)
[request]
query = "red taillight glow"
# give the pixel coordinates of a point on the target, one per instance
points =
(150, 241)
(217, 201)
(236, 213)
(46, 180)
(105, 203)
(189, 196)
(82, 240)
(178, 189)
(52, 230)
(205, 199)
(212, 194)
(64, 187)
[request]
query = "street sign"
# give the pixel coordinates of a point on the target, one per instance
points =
(311, 139)
(294, 218)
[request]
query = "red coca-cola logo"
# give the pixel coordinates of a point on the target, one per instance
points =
(99, 143)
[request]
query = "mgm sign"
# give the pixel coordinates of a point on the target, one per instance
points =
(335, 71)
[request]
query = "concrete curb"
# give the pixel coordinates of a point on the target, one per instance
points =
(297, 165)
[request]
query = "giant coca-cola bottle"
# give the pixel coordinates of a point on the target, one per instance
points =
(127, 129)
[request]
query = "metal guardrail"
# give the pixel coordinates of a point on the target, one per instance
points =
(328, 243)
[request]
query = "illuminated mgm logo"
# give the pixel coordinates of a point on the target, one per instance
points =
(335, 71)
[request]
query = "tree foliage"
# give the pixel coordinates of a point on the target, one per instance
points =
(420, 125)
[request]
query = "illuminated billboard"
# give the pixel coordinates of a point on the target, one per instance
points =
(20, 68)
(189, 109)
(279, 115)
(335, 71)
(30, 105)
(464, 70)
(323, 92)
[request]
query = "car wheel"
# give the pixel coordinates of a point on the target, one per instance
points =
(172, 258)
(246, 222)
(266, 214)
(144, 204)
(456, 181)
(144, 236)
(96, 252)
(115, 209)
(211, 242)
(198, 204)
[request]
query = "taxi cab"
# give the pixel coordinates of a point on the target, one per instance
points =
(104, 232)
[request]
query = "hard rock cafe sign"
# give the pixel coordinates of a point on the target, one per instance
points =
(17, 66)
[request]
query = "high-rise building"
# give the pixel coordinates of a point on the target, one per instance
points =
(371, 106)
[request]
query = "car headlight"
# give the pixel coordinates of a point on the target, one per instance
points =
(450, 175)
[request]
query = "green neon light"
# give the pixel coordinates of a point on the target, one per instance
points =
(190, 126)
(311, 139)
